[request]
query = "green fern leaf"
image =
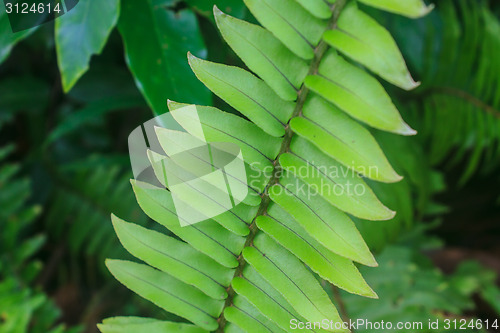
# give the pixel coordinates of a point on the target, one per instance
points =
(361, 38)
(357, 93)
(137, 324)
(343, 139)
(318, 8)
(285, 273)
(170, 255)
(256, 267)
(167, 292)
(410, 8)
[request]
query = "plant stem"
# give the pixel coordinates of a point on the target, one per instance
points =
(464, 95)
(340, 302)
(302, 94)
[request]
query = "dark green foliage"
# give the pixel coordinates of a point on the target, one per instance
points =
(411, 290)
(457, 108)
(80, 206)
(23, 308)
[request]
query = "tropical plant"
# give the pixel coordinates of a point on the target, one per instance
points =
(23, 308)
(71, 177)
(413, 290)
(456, 110)
(80, 206)
(412, 197)
(255, 268)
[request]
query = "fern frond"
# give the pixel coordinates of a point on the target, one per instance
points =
(254, 267)
(80, 205)
(14, 220)
(457, 110)
(23, 308)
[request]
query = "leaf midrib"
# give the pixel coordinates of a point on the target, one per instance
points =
(302, 94)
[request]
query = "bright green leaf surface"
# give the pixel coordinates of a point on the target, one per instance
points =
(341, 186)
(265, 298)
(331, 267)
(167, 292)
(207, 237)
(410, 8)
(138, 324)
(291, 278)
(246, 316)
(296, 28)
(264, 55)
(246, 93)
(344, 139)
(218, 126)
(316, 7)
(357, 93)
(361, 38)
(237, 219)
(174, 257)
(329, 226)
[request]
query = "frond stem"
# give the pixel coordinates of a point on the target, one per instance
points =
(340, 302)
(302, 94)
(464, 96)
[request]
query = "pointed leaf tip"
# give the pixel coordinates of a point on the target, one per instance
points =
(429, 9)
(410, 83)
(374, 295)
(173, 105)
(407, 131)
(110, 264)
(114, 219)
(218, 12)
(390, 214)
(193, 60)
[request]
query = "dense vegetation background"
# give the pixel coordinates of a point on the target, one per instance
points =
(65, 116)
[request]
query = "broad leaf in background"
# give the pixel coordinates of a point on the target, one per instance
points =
(81, 33)
(156, 44)
(235, 8)
(9, 39)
